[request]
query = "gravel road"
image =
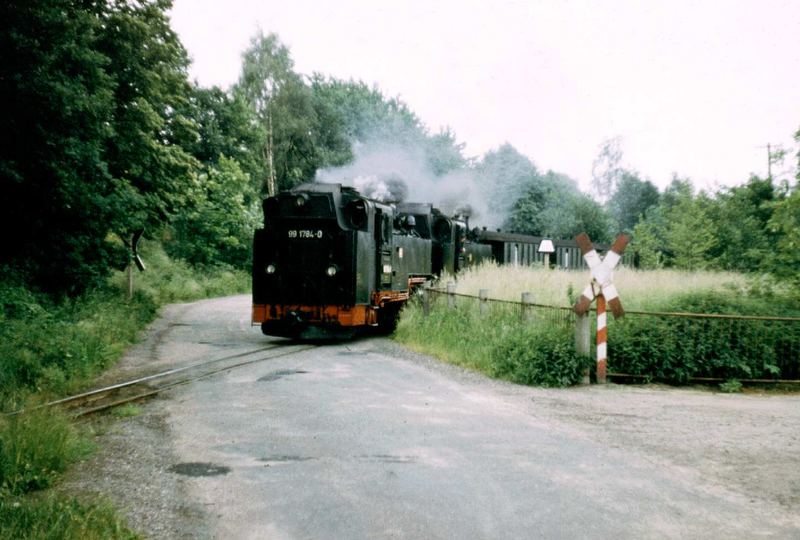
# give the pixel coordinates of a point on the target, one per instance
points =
(364, 439)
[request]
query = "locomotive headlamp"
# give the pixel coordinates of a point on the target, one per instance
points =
(301, 200)
(331, 270)
(270, 269)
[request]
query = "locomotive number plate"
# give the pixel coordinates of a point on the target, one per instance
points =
(305, 233)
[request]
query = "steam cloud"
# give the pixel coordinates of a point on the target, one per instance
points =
(390, 189)
(393, 173)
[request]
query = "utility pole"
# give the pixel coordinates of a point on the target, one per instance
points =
(776, 156)
(769, 161)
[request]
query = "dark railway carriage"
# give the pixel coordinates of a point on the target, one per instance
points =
(329, 261)
(523, 249)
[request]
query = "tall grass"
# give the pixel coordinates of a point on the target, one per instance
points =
(639, 290)
(58, 518)
(498, 343)
(35, 448)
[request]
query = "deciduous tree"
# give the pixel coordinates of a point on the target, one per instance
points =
(630, 200)
(218, 223)
(57, 196)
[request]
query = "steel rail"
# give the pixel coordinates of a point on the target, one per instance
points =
(181, 382)
(140, 380)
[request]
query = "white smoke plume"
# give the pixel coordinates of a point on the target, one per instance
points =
(395, 173)
(389, 189)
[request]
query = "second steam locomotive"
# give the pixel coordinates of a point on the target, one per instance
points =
(329, 261)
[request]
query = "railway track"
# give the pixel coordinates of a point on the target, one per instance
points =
(105, 398)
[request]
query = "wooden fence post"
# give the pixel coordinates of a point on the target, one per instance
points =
(483, 294)
(451, 294)
(527, 312)
(583, 342)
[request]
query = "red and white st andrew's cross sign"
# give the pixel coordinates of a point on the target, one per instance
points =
(602, 288)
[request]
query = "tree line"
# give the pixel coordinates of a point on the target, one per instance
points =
(104, 134)
(752, 227)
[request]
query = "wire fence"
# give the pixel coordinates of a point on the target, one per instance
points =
(527, 310)
(675, 347)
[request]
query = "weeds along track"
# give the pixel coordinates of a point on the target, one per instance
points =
(114, 395)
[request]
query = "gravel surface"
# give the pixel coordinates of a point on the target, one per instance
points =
(134, 454)
(742, 448)
(749, 442)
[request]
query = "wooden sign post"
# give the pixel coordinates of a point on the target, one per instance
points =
(602, 288)
(134, 259)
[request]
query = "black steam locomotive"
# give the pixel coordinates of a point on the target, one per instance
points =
(329, 261)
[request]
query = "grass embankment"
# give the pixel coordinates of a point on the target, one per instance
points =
(499, 343)
(50, 349)
(541, 351)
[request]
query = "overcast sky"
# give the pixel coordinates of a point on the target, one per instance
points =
(691, 87)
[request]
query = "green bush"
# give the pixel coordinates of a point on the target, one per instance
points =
(541, 356)
(676, 349)
(16, 301)
(498, 344)
(731, 386)
(756, 301)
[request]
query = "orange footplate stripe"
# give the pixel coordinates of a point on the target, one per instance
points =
(384, 297)
(341, 315)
